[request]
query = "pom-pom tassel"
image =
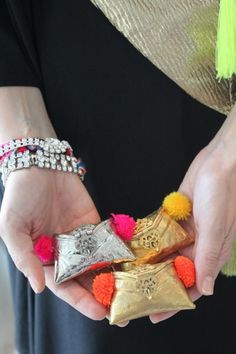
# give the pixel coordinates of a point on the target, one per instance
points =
(123, 225)
(177, 205)
(226, 40)
(103, 288)
(186, 270)
(44, 248)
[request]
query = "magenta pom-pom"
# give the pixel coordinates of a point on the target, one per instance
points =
(44, 249)
(123, 225)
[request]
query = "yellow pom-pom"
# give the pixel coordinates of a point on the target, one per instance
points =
(177, 205)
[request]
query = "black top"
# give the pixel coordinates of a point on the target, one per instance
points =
(18, 61)
(137, 133)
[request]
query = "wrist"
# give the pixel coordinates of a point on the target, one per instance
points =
(23, 114)
(223, 144)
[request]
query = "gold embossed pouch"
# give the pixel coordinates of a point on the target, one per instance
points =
(156, 236)
(148, 289)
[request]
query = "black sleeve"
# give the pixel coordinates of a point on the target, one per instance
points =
(18, 58)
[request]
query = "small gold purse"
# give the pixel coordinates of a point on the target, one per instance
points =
(156, 236)
(148, 289)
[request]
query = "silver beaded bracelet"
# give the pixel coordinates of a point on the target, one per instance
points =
(52, 145)
(49, 153)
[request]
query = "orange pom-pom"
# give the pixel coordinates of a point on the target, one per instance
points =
(103, 288)
(186, 270)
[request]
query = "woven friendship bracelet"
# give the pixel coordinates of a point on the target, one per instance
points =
(49, 153)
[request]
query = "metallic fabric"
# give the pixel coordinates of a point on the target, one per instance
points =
(178, 37)
(156, 237)
(87, 248)
(148, 289)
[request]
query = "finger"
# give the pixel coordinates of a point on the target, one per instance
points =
(76, 296)
(91, 217)
(122, 324)
(187, 252)
(20, 248)
(156, 318)
(188, 225)
(211, 233)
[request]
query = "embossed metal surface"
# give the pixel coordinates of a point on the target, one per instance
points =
(85, 247)
(148, 289)
(178, 36)
(156, 236)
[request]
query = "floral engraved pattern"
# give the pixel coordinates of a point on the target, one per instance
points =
(146, 285)
(150, 240)
(141, 269)
(85, 245)
(142, 224)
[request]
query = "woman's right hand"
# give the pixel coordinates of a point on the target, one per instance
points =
(37, 202)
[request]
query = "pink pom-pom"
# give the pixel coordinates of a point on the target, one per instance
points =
(123, 225)
(43, 248)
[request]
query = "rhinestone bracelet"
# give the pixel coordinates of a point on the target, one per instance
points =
(56, 156)
(52, 145)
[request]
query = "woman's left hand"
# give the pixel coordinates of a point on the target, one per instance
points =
(210, 183)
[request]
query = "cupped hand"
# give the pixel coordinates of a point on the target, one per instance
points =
(37, 202)
(210, 183)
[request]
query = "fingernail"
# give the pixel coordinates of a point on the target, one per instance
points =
(154, 321)
(34, 284)
(208, 286)
(123, 324)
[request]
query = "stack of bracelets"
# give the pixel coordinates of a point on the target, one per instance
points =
(48, 153)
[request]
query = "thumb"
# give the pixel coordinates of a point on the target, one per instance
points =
(90, 217)
(211, 224)
(208, 257)
(20, 248)
(210, 233)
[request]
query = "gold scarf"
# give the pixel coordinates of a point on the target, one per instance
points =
(178, 37)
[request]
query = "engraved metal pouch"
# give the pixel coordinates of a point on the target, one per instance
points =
(87, 248)
(178, 37)
(156, 237)
(148, 289)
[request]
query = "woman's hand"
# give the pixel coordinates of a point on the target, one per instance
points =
(36, 202)
(210, 184)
